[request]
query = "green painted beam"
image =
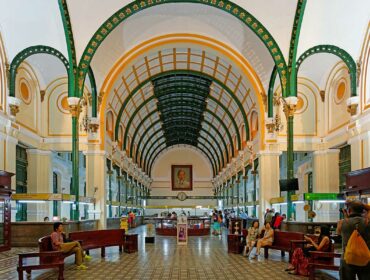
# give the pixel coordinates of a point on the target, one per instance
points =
(203, 148)
(223, 107)
(187, 125)
(158, 121)
(204, 121)
(172, 72)
(187, 140)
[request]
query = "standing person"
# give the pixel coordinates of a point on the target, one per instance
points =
(58, 244)
(252, 237)
(266, 240)
(216, 224)
(268, 217)
(355, 219)
(277, 214)
(220, 221)
(278, 221)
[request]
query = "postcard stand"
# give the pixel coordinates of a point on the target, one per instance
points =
(182, 230)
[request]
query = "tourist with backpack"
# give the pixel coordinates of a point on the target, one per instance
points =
(355, 232)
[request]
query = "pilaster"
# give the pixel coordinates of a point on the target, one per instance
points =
(326, 171)
(39, 180)
(96, 171)
(269, 175)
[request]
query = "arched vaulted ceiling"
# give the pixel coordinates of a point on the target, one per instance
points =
(165, 94)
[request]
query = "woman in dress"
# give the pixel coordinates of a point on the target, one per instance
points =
(300, 258)
(266, 240)
(252, 237)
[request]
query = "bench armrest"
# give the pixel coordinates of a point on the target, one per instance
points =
(316, 255)
(38, 255)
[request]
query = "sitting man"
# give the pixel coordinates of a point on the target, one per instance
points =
(67, 247)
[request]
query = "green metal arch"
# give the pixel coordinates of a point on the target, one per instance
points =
(294, 39)
(208, 111)
(136, 6)
(136, 89)
(186, 125)
(270, 94)
(155, 111)
(158, 121)
(94, 93)
(21, 56)
(172, 143)
(342, 54)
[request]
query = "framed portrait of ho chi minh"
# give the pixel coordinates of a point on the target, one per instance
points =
(182, 177)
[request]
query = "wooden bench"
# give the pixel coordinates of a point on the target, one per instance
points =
(46, 260)
(93, 239)
(322, 260)
(282, 242)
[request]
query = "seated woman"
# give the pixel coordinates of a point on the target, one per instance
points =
(252, 237)
(266, 240)
(300, 258)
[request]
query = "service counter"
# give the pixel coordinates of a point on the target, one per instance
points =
(196, 226)
(27, 234)
(114, 223)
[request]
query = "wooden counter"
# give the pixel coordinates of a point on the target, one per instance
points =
(196, 226)
(27, 234)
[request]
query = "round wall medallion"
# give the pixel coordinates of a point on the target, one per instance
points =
(302, 104)
(25, 92)
(182, 196)
(62, 103)
(341, 92)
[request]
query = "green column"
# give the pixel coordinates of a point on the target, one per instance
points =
(245, 181)
(290, 162)
(227, 194)
(75, 164)
(232, 186)
(254, 172)
(119, 179)
(110, 196)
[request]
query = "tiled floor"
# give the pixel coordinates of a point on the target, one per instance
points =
(203, 258)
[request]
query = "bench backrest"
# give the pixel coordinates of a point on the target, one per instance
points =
(98, 238)
(282, 238)
(45, 244)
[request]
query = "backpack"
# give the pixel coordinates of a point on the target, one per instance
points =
(357, 253)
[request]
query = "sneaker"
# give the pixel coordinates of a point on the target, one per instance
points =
(87, 258)
(82, 267)
(255, 257)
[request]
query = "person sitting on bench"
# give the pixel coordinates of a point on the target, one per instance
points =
(266, 240)
(67, 247)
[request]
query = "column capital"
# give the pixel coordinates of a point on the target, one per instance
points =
(95, 153)
(38, 152)
(327, 151)
(269, 153)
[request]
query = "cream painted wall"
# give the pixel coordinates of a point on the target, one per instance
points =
(202, 175)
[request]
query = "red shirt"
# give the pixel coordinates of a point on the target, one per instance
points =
(278, 221)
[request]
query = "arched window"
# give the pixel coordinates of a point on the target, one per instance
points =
(254, 124)
(128, 144)
(243, 136)
(120, 137)
(109, 124)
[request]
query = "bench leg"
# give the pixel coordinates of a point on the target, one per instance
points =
(282, 253)
(266, 252)
(311, 272)
(102, 252)
(87, 252)
(120, 248)
(61, 271)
